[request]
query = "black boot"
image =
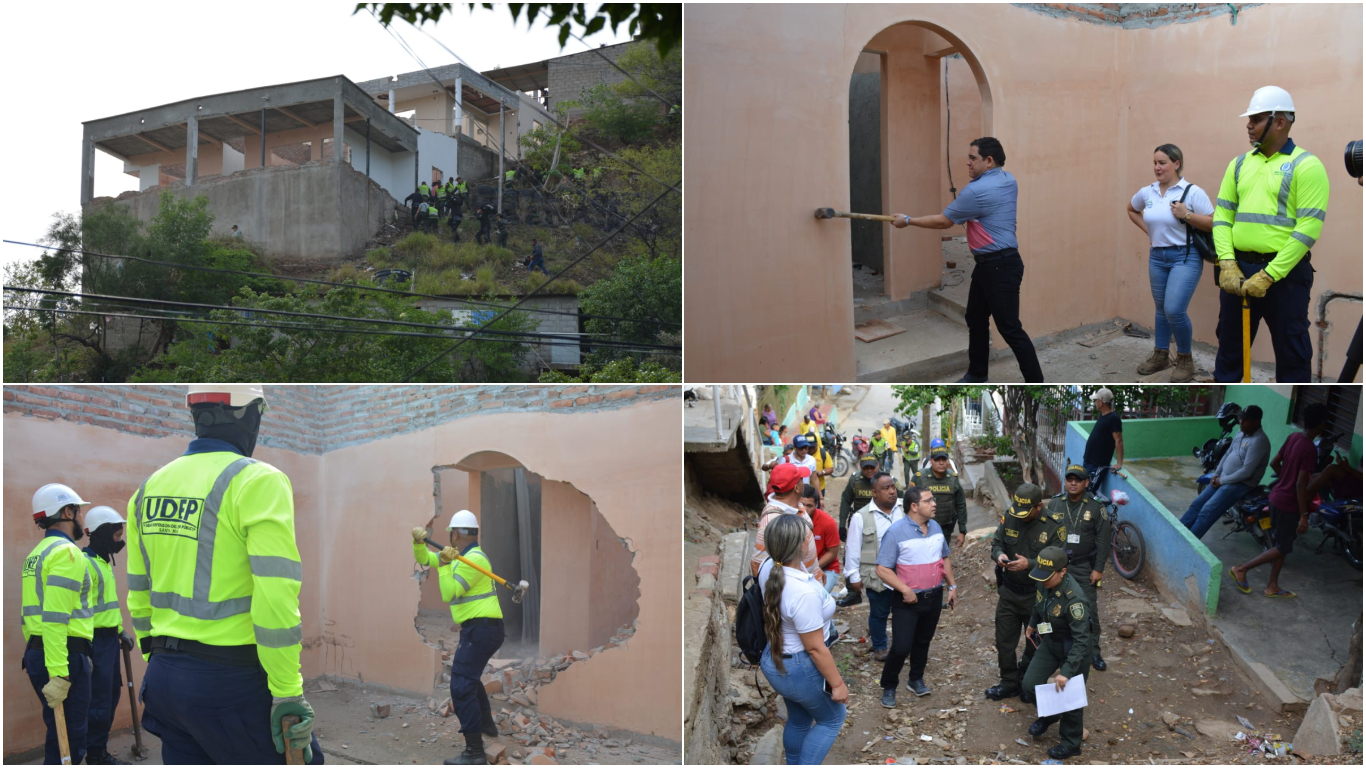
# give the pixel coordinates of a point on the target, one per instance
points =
(998, 692)
(853, 598)
(1097, 663)
(1041, 725)
(1062, 753)
(102, 758)
(474, 751)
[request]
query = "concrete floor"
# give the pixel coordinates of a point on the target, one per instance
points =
(1302, 639)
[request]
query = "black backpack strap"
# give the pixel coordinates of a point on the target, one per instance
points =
(1187, 191)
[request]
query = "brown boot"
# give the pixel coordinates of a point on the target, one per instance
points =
(1157, 361)
(1184, 369)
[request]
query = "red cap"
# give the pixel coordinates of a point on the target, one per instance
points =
(786, 476)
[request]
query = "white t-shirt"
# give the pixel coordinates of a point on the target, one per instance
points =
(1163, 228)
(809, 462)
(805, 607)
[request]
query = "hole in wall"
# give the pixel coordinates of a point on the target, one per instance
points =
(584, 590)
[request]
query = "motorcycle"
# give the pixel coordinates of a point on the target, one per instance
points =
(1251, 515)
(1340, 521)
(1214, 449)
(834, 442)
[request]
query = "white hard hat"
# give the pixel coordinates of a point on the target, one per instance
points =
(51, 498)
(463, 519)
(231, 395)
(1269, 98)
(98, 516)
(1104, 395)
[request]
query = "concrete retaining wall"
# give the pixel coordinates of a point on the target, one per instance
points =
(1182, 566)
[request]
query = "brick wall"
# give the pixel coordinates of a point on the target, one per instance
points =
(318, 419)
(568, 75)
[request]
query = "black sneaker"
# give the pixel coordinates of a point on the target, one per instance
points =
(853, 598)
(998, 692)
(889, 698)
(918, 687)
(1062, 753)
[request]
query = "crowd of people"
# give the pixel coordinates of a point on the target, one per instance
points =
(898, 545)
(429, 203)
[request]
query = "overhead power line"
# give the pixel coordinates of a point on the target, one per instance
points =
(351, 286)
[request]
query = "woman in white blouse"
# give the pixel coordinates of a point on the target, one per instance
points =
(798, 620)
(1173, 268)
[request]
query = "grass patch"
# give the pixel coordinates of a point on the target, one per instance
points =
(378, 258)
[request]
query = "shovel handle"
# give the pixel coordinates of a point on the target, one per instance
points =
(59, 714)
(292, 756)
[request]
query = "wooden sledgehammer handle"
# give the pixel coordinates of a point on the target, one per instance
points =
(63, 744)
(831, 213)
(292, 756)
(473, 565)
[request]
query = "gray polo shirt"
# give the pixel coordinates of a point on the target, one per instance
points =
(987, 205)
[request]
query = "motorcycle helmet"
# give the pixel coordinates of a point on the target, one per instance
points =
(1229, 414)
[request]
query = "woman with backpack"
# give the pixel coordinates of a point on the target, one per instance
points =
(1166, 211)
(798, 623)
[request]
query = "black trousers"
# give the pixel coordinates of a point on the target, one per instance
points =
(995, 293)
(913, 626)
(1285, 307)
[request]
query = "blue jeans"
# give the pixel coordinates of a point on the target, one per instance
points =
(1209, 505)
(832, 580)
(75, 709)
(207, 713)
(813, 718)
(106, 688)
(879, 608)
(1173, 272)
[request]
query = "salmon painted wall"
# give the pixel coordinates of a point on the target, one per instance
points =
(1171, 97)
(106, 467)
(386, 486)
(779, 149)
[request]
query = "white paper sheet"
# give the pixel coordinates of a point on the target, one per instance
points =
(1051, 701)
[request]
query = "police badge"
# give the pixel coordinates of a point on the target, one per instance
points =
(1057, 610)
(1087, 515)
(1062, 533)
(1043, 537)
(1078, 611)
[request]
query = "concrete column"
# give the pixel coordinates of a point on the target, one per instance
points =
(338, 125)
(191, 150)
(502, 150)
(87, 169)
(391, 101)
(459, 108)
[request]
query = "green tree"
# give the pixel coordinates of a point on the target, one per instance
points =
(658, 22)
(614, 119)
(620, 371)
(641, 289)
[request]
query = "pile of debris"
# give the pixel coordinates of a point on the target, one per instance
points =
(517, 680)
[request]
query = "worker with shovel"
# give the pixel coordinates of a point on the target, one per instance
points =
(464, 576)
(213, 591)
(1268, 215)
(104, 526)
(58, 622)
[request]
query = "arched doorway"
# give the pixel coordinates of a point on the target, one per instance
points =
(917, 96)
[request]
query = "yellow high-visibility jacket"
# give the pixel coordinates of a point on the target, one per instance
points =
(56, 598)
(470, 593)
(1271, 204)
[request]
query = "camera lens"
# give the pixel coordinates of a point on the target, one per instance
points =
(1352, 157)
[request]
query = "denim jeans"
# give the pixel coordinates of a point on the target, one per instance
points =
(879, 608)
(1173, 272)
(813, 718)
(832, 580)
(1209, 505)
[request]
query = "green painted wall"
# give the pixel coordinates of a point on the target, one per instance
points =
(1147, 438)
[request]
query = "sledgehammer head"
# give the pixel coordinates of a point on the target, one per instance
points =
(825, 213)
(519, 591)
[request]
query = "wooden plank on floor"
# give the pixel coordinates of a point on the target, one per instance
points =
(872, 330)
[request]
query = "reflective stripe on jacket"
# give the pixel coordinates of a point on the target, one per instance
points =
(1271, 204)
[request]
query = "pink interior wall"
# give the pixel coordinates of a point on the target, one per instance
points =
(1065, 99)
(965, 103)
(565, 570)
(615, 585)
(1325, 79)
(366, 629)
(106, 467)
(454, 497)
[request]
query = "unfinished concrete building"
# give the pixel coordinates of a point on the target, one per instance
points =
(576, 489)
(848, 106)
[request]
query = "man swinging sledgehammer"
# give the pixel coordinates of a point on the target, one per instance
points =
(474, 606)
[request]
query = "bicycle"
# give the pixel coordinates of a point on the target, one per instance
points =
(1126, 540)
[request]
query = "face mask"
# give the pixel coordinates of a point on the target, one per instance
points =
(102, 541)
(223, 424)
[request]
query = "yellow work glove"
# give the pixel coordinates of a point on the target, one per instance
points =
(1257, 284)
(1230, 276)
(448, 555)
(419, 535)
(55, 691)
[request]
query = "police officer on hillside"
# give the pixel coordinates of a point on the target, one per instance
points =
(213, 591)
(58, 618)
(474, 606)
(485, 215)
(1084, 534)
(950, 503)
(104, 526)
(1024, 532)
(858, 492)
(1061, 626)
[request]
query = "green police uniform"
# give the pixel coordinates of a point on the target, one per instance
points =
(1061, 616)
(1084, 533)
(857, 494)
(950, 502)
(1015, 537)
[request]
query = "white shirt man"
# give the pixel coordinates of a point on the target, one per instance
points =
(853, 542)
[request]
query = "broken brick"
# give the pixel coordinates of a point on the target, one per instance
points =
(542, 760)
(495, 753)
(379, 710)
(493, 685)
